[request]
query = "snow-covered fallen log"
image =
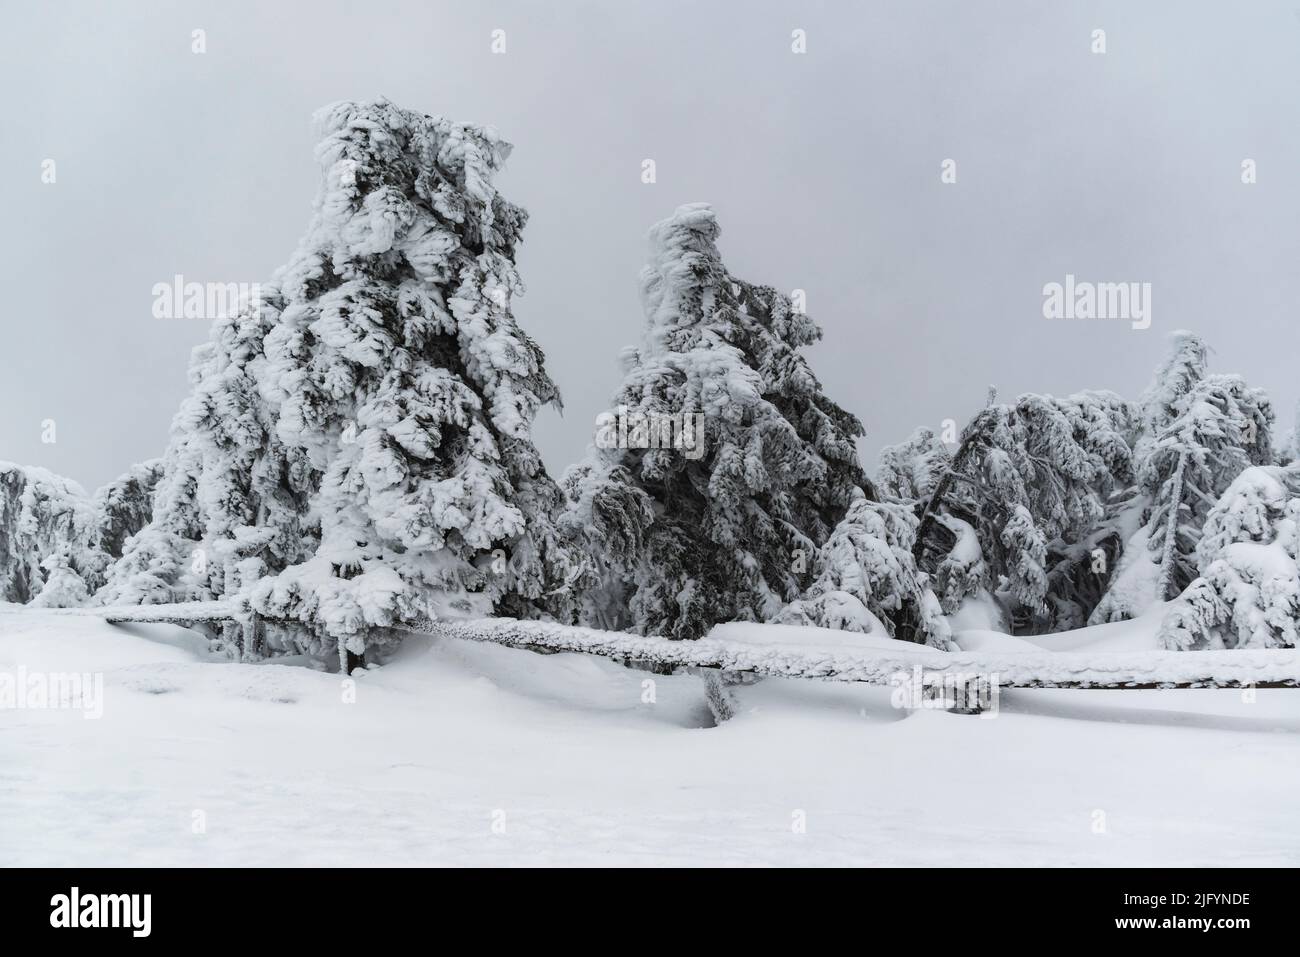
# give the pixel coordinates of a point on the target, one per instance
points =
(784, 652)
(761, 650)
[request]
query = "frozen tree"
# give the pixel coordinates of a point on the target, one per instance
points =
(118, 510)
(721, 521)
(356, 454)
(912, 469)
(63, 587)
(401, 377)
(40, 513)
(125, 505)
(1132, 584)
(612, 515)
(1290, 450)
(865, 578)
(1247, 594)
(46, 517)
(1034, 481)
(1199, 432)
(1218, 429)
(1185, 365)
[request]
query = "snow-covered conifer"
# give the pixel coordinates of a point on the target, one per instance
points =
(356, 453)
(1218, 429)
(40, 513)
(865, 576)
(118, 510)
(1247, 594)
(44, 516)
(724, 524)
(63, 587)
(1199, 431)
(911, 470)
(401, 376)
(1289, 450)
(1185, 365)
(1033, 480)
(125, 505)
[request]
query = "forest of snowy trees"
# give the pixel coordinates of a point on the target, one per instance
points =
(357, 456)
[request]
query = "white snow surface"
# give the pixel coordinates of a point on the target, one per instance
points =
(562, 750)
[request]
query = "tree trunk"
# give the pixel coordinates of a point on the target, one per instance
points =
(1171, 532)
(251, 634)
(973, 442)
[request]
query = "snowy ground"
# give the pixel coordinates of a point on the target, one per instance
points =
(464, 753)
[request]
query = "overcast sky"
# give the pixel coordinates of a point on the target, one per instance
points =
(824, 168)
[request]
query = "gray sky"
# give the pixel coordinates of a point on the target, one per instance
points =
(824, 169)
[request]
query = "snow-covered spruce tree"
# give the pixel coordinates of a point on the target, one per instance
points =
(125, 505)
(1202, 431)
(400, 374)
(118, 510)
(63, 586)
(722, 525)
(1222, 428)
(1247, 594)
(865, 579)
(46, 517)
(1033, 480)
(911, 470)
(362, 432)
(1131, 584)
(1182, 369)
(40, 513)
(1199, 432)
(1289, 450)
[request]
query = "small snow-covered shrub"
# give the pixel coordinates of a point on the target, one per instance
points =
(63, 588)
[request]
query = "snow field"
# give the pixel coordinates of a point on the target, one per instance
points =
(459, 753)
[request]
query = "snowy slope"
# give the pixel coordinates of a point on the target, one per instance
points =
(562, 751)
